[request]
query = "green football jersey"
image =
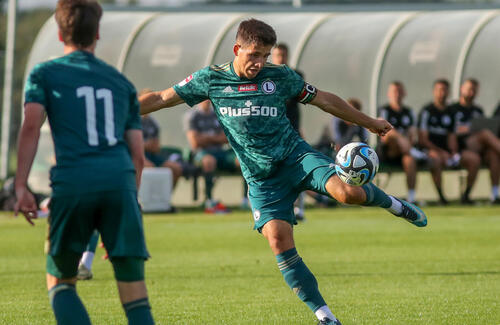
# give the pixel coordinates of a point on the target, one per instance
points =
(89, 106)
(252, 112)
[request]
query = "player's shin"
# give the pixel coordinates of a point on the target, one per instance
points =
(301, 280)
(67, 306)
(376, 197)
(138, 312)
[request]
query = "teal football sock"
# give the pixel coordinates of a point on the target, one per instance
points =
(300, 279)
(376, 197)
(139, 312)
(67, 306)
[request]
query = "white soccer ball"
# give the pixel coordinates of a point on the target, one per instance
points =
(356, 163)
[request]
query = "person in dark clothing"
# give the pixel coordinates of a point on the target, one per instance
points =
(397, 144)
(483, 142)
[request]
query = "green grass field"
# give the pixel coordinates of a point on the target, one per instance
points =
(372, 269)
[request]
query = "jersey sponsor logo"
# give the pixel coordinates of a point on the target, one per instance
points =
(268, 87)
(251, 87)
(228, 90)
(249, 110)
(185, 81)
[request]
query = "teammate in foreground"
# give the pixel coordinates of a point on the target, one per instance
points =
(249, 96)
(94, 117)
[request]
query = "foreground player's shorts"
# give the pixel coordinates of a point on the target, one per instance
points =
(115, 214)
(273, 197)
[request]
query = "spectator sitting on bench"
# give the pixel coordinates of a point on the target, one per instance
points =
(155, 155)
(483, 142)
(207, 140)
(437, 134)
(397, 145)
(345, 132)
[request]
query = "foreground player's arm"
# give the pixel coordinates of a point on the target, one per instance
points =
(34, 115)
(335, 105)
(156, 100)
(135, 144)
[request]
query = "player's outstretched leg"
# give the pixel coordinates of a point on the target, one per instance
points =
(371, 195)
(85, 267)
(299, 278)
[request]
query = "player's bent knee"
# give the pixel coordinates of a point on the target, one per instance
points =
(64, 265)
(128, 269)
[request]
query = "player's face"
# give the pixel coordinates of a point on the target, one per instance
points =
(279, 56)
(440, 93)
(468, 91)
(396, 93)
(251, 58)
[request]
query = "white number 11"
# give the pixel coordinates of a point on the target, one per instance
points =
(90, 108)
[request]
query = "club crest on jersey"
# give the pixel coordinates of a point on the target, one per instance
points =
(268, 87)
(185, 81)
(251, 87)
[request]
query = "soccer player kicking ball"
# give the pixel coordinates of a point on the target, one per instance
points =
(94, 117)
(249, 96)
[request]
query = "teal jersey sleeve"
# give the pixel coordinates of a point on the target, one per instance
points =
(134, 118)
(194, 89)
(34, 91)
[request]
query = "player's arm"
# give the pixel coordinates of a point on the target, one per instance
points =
(135, 143)
(335, 105)
(156, 100)
(34, 116)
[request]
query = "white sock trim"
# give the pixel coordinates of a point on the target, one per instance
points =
(323, 312)
(396, 207)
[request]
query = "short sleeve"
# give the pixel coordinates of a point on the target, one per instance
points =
(423, 120)
(413, 119)
(382, 112)
(194, 89)
(34, 91)
(134, 119)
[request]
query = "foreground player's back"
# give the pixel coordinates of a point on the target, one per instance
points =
(89, 106)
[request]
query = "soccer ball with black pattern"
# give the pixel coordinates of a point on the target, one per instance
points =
(356, 163)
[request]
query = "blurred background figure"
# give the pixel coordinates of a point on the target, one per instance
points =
(156, 156)
(279, 55)
(397, 146)
(436, 132)
(475, 138)
(207, 141)
(345, 132)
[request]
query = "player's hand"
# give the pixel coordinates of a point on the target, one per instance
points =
(380, 127)
(26, 203)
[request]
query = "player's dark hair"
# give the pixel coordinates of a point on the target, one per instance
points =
(282, 46)
(354, 102)
(442, 81)
(255, 31)
(473, 81)
(78, 21)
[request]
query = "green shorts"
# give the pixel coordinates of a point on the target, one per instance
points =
(226, 158)
(273, 197)
(115, 214)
